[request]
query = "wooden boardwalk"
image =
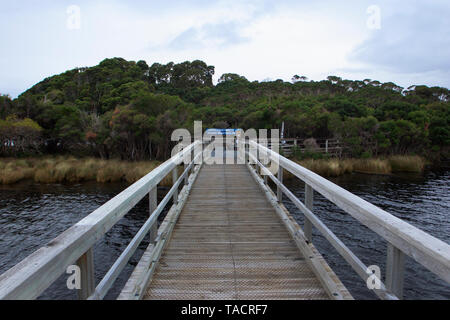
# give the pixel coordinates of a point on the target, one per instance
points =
(227, 236)
(229, 243)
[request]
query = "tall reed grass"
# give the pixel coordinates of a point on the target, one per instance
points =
(338, 167)
(407, 163)
(70, 169)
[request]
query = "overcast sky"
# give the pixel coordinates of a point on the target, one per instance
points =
(409, 43)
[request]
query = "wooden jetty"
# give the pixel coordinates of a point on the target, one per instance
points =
(226, 248)
(227, 235)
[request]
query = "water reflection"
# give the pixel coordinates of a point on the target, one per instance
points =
(421, 200)
(32, 214)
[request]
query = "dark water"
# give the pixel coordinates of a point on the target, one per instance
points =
(31, 215)
(421, 200)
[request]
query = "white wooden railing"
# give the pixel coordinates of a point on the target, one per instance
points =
(31, 277)
(402, 238)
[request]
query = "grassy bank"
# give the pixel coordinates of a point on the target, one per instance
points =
(338, 167)
(69, 169)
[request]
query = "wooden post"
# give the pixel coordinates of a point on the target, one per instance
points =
(326, 146)
(86, 264)
(395, 268)
(309, 203)
(280, 178)
(152, 205)
(174, 180)
(247, 149)
(186, 177)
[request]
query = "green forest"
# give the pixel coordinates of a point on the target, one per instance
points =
(127, 110)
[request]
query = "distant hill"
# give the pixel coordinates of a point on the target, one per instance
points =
(127, 109)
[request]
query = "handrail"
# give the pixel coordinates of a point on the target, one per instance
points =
(402, 237)
(342, 249)
(108, 280)
(34, 274)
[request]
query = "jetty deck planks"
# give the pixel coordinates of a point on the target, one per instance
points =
(229, 243)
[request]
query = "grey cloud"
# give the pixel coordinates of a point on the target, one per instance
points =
(416, 40)
(223, 35)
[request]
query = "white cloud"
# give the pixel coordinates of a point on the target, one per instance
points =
(257, 39)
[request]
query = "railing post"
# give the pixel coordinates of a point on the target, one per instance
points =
(174, 180)
(86, 265)
(186, 177)
(326, 146)
(152, 205)
(395, 268)
(309, 203)
(280, 178)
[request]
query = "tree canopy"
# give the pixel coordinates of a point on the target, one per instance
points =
(128, 109)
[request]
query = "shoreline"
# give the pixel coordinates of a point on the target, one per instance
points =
(68, 169)
(373, 166)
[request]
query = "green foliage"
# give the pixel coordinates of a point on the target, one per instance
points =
(19, 136)
(345, 107)
(127, 109)
(301, 154)
(6, 106)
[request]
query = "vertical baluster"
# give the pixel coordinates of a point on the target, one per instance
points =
(309, 203)
(153, 204)
(186, 177)
(174, 180)
(280, 178)
(86, 265)
(395, 268)
(264, 160)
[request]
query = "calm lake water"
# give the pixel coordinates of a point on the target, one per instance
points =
(32, 214)
(421, 200)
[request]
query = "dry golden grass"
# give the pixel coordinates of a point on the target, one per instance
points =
(373, 166)
(407, 163)
(14, 171)
(69, 169)
(337, 167)
(44, 175)
(8, 176)
(326, 168)
(87, 170)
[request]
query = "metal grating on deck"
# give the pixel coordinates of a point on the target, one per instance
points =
(229, 244)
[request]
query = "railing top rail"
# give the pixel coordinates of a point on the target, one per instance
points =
(29, 278)
(429, 251)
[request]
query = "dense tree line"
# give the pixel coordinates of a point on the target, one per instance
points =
(128, 109)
